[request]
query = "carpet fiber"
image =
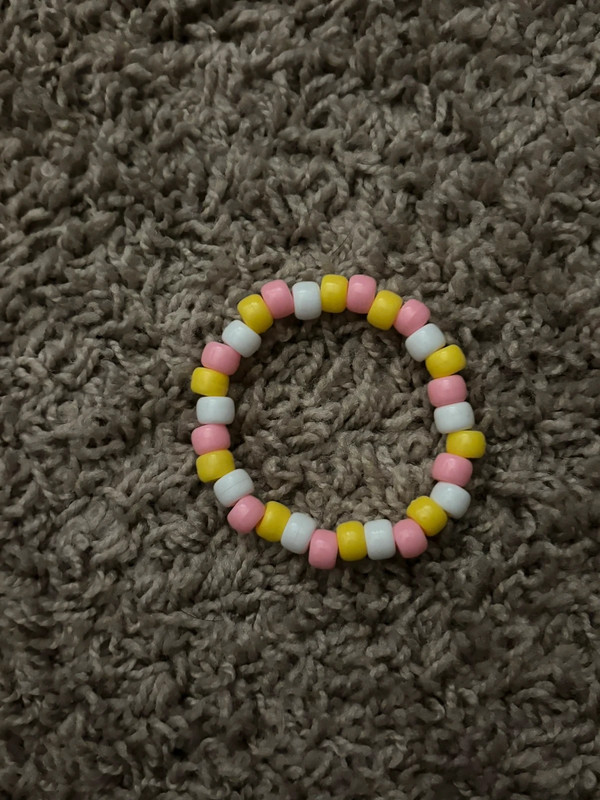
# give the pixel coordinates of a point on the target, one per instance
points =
(160, 161)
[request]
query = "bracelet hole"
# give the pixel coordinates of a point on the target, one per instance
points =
(329, 420)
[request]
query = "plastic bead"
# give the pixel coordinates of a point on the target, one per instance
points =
(428, 514)
(246, 514)
(278, 298)
(384, 309)
(307, 300)
(445, 391)
(410, 538)
(453, 499)
(455, 417)
(233, 486)
(446, 361)
(242, 338)
(351, 541)
(323, 549)
(215, 410)
(207, 438)
(380, 539)
(425, 341)
(412, 316)
(220, 357)
(334, 289)
(255, 313)
(452, 469)
(274, 520)
(209, 382)
(468, 444)
(361, 293)
(297, 532)
(212, 466)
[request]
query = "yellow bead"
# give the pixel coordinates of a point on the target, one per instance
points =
(212, 466)
(384, 309)
(446, 361)
(334, 289)
(209, 382)
(428, 514)
(468, 444)
(351, 541)
(274, 521)
(255, 313)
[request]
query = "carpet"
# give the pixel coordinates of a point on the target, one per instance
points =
(162, 160)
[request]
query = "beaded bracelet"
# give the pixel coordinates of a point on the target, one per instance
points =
(447, 391)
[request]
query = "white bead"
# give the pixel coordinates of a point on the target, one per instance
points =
(215, 410)
(297, 532)
(453, 499)
(233, 486)
(307, 299)
(243, 339)
(454, 417)
(425, 341)
(380, 539)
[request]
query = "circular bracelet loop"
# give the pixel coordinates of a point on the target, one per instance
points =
(447, 392)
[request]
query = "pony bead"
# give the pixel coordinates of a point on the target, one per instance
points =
(246, 514)
(449, 468)
(209, 382)
(425, 341)
(468, 444)
(323, 549)
(428, 514)
(454, 417)
(334, 290)
(297, 533)
(215, 410)
(207, 438)
(410, 538)
(233, 486)
(212, 466)
(255, 313)
(448, 390)
(380, 539)
(384, 310)
(273, 522)
(361, 293)
(351, 541)
(446, 361)
(220, 357)
(307, 300)
(453, 499)
(278, 298)
(412, 316)
(241, 338)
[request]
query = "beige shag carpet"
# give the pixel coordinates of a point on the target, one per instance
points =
(161, 160)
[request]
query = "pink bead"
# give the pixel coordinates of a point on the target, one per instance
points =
(220, 357)
(445, 391)
(412, 316)
(361, 293)
(211, 437)
(452, 469)
(323, 549)
(246, 514)
(278, 298)
(410, 538)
